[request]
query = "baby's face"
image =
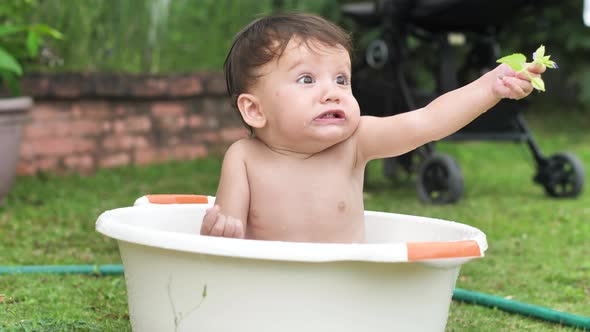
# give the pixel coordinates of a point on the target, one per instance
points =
(307, 97)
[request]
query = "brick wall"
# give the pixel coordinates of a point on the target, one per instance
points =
(81, 122)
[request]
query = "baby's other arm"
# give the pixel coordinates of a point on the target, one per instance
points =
(229, 215)
(398, 134)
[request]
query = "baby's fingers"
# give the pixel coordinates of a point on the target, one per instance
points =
(233, 228)
(527, 76)
(230, 227)
(518, 88)
(219, 226)
(239, 229)
(536, 68)
(209, 220)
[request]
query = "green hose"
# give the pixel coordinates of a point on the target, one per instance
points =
(524, 309)
(459, 294)
(112, 269)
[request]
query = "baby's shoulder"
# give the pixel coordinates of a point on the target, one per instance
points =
(243, 148)
(245, 144)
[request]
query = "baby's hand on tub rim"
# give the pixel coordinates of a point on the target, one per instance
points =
(217, 224)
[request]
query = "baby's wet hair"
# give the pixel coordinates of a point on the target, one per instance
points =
(266, 38)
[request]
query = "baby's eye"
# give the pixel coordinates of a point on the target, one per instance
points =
(342, 80)
(305, 79)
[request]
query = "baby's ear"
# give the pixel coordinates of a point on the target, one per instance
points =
(251, 111)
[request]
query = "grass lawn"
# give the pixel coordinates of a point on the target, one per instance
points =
(539, 248)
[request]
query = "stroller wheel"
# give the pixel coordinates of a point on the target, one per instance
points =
(440, 180)
(377, 54)
(562, 175)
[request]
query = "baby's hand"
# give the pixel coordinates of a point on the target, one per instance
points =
(217, 224)
(515, 85)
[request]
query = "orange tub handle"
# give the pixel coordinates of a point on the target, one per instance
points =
(177, 199)
(418, 251)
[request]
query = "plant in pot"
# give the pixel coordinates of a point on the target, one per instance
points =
(19, 43)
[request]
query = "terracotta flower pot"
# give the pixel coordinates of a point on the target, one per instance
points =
(13, 113)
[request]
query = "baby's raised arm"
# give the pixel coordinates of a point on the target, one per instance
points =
(398, 134)
(229, 216)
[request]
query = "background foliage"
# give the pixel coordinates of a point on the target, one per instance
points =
(19, 40)
(150, 36)
(166, 36)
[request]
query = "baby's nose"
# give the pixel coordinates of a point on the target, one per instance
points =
(332, 99)
(331, 95)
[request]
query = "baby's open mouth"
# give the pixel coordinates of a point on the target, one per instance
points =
(331, 115)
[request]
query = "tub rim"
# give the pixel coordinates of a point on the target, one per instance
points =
(443, 254)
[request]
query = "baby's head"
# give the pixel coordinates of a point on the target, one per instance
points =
(265, 40)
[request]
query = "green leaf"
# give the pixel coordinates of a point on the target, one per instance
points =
(10, 29)
(551, 64)
(516, 61)
(545, 61)
(43, 29)
(539, 53)
(538, 83)
(33, 41)
(9, 63)
(205, 291)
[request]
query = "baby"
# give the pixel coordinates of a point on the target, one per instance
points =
(299, 176)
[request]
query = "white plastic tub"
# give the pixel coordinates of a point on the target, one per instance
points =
(177, 280)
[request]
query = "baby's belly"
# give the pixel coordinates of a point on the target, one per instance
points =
(338, 222)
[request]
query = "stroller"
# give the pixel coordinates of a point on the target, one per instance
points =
(383, 86)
